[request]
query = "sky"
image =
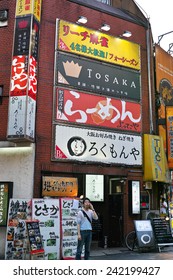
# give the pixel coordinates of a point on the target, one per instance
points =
(160, 15)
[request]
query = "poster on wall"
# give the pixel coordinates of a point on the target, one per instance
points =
(81, 108)
(47, 211)
(95, 187)
(69, 210)
(83, 144)
(16, 243)
(98, 77)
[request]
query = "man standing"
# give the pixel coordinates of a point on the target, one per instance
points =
(84, 228)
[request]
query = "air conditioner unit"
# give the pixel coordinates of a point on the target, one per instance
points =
(3, 15)
(150, 214)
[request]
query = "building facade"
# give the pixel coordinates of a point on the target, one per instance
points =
(76, 102)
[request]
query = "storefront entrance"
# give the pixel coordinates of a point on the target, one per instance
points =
(115, 237)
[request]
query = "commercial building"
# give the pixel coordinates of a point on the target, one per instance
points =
(76, 101)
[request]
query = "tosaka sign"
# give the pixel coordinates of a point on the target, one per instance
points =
(97, 77)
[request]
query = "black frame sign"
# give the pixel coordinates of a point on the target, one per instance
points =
(6, 190)
(97, 77)
(34, 236)
(144, 233)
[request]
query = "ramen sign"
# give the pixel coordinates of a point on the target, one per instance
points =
(59, 186)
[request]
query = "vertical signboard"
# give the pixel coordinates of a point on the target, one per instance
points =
(164, 85)
(6, 189)
(47, 211)
(23, 87)
(16, 244)
(155, 162)
(69, 210)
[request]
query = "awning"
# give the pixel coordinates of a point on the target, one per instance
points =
(155, 162)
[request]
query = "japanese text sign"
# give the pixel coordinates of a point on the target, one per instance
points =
(97, 77)
(78, 107)
(80, 144)
(25, 7)
(83, 41)
(59, 186)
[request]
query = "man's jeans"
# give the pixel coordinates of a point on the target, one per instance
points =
(86, 236)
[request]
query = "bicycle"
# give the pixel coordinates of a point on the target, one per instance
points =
(131, 241)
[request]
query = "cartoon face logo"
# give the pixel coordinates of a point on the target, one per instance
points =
(76, 146)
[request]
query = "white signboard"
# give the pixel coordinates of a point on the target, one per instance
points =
(82, 144)
(95, 187)
(69, 210)
(48, 213)
(135, 197)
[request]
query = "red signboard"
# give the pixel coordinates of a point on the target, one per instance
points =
(82, 108)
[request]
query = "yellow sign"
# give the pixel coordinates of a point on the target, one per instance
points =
(155, 163)
(27, 7)
(24, 7)
(83, 41)
(60, 186)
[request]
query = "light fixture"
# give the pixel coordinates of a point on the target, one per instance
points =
(105, 27)
(127, 34)
(82, 20)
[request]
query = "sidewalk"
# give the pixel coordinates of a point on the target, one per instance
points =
(108, 251)
(122, 253)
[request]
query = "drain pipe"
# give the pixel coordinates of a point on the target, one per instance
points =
(148, 33)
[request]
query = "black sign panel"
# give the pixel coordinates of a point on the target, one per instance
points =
(97, 77)
(22, 36)
(6, 189)
(35, 39)
(34, 235)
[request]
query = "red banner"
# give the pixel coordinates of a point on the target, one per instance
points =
(78, 107)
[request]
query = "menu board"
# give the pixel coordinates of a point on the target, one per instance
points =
(69, 210)
(34, 236)
(48, 213)
(16, 244)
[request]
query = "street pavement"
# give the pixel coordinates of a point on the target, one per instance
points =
(123, 253)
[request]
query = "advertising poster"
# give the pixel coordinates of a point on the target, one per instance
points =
(98, 77)
(16, 242)
(82, 144)
(83, 41)
(82, 108)
(69, 210)
(47, 211)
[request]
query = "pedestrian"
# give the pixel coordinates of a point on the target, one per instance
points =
(164, 206)
(84, 228)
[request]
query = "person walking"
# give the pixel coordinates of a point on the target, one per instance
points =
(84, 228)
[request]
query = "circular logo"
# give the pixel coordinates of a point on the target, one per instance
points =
(145, 238)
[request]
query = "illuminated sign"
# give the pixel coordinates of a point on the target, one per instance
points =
(83, 41)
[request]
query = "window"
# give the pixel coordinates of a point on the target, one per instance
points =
(3, 18)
